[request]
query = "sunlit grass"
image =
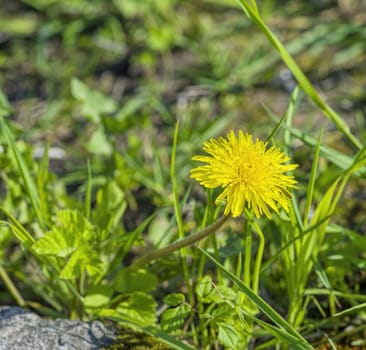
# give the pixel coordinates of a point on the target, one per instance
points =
(116, 229)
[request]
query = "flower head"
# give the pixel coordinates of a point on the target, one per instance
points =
(250, 174)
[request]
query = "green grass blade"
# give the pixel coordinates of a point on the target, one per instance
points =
(356, 308)
(178, 212)
(310, 229)
(18, 230)
(285, 337)
(28, 182)
(311, 185)
(298, 74)
(337, 158)
(42, 179)
(89, 185)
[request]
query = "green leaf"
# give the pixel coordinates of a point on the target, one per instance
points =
(140, 307)
(208, 293)
(70, 232)
(128, 280)
(98, 296)
(83, 259)
(174, 299)
(222, 312)
(74, 225)
(94, 103)
(227, 335)
(225, 293)
(204, 289)
(99, 143)
(54, 243)
(172, 319)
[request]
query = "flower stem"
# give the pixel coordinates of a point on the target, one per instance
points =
(248, 252)
(185, 242)
(258, 259)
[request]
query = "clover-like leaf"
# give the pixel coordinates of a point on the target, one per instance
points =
(140, 307)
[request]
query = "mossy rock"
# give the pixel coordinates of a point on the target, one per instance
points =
(128, 339)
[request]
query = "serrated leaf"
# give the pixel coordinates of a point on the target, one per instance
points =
(69, 238)
(227, 335)
(174, 318)
(83, 259)
(54, 243)
(174, 299)
(128, 280)
(74, 225)
(140, 307)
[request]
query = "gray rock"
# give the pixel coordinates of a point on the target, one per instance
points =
(23, 330)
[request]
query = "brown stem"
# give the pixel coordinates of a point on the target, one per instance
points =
(185, 242)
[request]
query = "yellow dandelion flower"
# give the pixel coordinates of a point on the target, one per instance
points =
(250, 174)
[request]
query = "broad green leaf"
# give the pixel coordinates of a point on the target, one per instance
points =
(128, 280)
(79, 90)
(94, 103)
(225, 293)
(54, 243)
(99, 143)
(227, 335)
(140, 307)
(222, 312)
(74, 225)
(84, 259)
(98, 296)
(71, 231)
(174, 299)
(172, 319)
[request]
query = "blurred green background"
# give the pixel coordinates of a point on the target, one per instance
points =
(93, 76)
(106, 81)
